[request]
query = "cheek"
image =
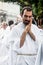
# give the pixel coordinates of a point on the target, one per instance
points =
(31, 20)
(23, 19)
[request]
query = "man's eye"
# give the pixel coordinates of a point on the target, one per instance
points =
(30, 16)
(25, 16)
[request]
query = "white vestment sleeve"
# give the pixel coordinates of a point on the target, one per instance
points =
(39, 59)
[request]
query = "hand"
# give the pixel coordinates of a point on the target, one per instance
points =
(23, 36)
(28, 28)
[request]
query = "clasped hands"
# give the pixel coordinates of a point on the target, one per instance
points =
(23, 36)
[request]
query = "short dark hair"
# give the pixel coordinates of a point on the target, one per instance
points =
(28, 8)
(10, 22)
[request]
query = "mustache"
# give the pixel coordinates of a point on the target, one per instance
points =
(26, 22)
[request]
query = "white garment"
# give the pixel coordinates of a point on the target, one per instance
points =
(29, 47)
(5, 54)
(11, 47)
(39, 59)
(4, 32)
(5, 49)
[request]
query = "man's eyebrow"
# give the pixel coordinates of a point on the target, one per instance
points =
(27, 16)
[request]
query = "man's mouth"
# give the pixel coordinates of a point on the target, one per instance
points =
(26, 22)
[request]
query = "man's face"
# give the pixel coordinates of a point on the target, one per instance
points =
(4, 25)
(27, 17)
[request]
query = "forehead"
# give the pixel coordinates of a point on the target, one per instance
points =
(27, 12)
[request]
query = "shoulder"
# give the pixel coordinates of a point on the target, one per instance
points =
(17, 30)
(35, 30)
(18, 27)
(35, 27)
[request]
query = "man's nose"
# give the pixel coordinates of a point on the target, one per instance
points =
(28, 18)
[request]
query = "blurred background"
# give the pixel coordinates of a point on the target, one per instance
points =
(11, 9)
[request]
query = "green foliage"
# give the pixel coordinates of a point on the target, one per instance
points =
(37, 5)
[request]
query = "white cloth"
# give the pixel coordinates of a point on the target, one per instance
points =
(5, 54)
(39, 59)
(10, 47)
(4, 32)
(5, 49)
(29, 47)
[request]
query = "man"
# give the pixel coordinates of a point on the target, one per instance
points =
(3, 29)
(24, 39)
(11, 24)
(4, 50)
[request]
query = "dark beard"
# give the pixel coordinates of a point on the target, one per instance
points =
(26, 22)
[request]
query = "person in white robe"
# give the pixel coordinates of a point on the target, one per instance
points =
(25, 39)
(11, 24)
(5, 50)
(24, 53)
(2, 30)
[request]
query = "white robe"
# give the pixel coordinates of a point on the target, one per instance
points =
(20, 56)
(39, 59)
(11, 47)
(4, 32)
(5, 49)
